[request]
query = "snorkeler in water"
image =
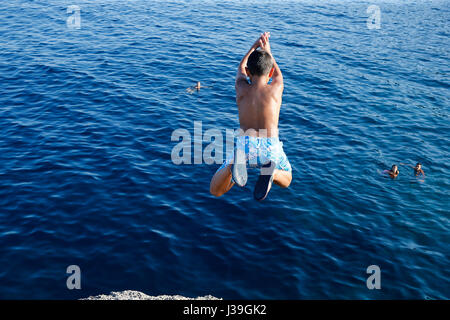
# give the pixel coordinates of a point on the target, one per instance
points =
(393, 173)
(417, 169)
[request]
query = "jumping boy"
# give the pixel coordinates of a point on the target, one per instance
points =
(259, 108)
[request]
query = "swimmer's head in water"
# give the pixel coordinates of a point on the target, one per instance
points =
(260, 63)
(394, 168)
(418, 166)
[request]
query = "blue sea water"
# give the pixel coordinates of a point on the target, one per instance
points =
(86, 176)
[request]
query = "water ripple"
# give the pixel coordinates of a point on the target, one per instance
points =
(86, 178)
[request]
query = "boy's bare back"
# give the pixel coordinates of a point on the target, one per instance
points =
(259, 108)
(259, 102)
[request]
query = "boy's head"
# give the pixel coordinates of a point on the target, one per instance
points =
(418, 166)
(259, 64)
(394, 168)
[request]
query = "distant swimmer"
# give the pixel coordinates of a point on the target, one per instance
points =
(259, 108)
(393, 173)
(197, 87)
(417, 169)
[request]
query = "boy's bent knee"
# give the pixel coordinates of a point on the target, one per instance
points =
(283, 178)
(216, 192)
(289, 180)
(285, 184)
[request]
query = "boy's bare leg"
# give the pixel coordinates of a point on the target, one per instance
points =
(282, 178)
(221, 182)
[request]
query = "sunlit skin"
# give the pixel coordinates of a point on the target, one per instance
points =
(417, 168)
(393, 173)
(259, 108)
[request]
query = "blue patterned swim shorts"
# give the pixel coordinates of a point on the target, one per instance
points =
(259, 150)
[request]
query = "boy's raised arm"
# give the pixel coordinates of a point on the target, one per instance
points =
(277, 77)
(241, 75)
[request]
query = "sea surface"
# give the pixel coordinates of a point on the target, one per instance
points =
(87, 178)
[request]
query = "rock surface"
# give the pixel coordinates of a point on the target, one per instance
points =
(136, 295)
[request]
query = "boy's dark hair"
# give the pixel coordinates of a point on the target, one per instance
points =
(418, 164)
(260, 63)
